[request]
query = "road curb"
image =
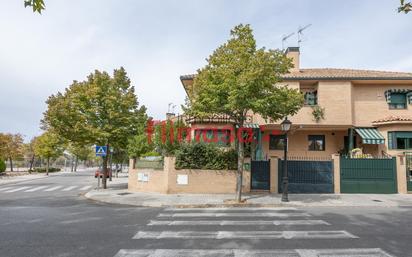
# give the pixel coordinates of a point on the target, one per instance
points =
(116, 199)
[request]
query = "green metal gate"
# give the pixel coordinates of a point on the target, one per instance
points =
(260, 175)
(408, 157)
(376, 176)
(307, 176)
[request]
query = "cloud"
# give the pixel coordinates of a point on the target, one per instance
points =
(157, 41)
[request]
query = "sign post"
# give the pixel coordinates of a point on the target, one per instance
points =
(100, 151)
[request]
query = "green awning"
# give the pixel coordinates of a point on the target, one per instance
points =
(251, 125)
(370, 136)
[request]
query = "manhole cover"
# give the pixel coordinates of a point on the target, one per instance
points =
(125, 193)
(379, 201)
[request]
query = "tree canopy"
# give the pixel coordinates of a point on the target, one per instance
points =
(239, 78)
(11, 147)
(405, 7)
(102, 110)
(48, 146)
(36, 5)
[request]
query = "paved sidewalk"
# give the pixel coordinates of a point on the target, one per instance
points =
(117, 193)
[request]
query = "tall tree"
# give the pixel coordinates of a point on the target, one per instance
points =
(48, 146)
(101, 110)
(240, 78)
(11, 147)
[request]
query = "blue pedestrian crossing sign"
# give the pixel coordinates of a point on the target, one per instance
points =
(101, 150)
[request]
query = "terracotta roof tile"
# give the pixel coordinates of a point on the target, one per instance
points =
(328, 73)
(394, 119)
(337, 74)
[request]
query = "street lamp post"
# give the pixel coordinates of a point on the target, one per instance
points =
(285, 126)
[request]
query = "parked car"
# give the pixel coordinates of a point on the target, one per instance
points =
(99, 172)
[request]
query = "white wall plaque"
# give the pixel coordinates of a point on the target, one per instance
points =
(142, 177)
(182, 179)
(145, 177)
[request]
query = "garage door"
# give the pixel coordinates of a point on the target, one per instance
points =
(375, 176)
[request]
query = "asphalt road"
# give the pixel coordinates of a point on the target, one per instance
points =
(41, 221)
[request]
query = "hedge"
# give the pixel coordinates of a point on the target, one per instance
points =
(43, 170)
(2, 166)
(205, 156)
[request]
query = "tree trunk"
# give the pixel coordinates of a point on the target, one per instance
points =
(31, 163)
(110, 164)
(240, 161)
(75, 164)
(11, 164)
(47, 166)
(71, 165)
(104, 180)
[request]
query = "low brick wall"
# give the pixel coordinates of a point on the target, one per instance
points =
(173, 181)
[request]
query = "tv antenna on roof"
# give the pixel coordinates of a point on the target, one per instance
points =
(284, 38)
(300, 33)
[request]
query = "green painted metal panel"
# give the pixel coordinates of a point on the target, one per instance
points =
(408, 156)
(307, 176)
(260, 175)
(368, 176)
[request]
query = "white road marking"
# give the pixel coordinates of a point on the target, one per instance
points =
(36, 189)
(231, 209)
(69, 188)
(338, 234)
(361, 252)
(5, 188)
(233, 214)
(16, 189)
(85, 187)
(235, 222)
(52, 188)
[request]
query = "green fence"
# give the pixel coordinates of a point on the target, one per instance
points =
(368, 175)
(408, 156)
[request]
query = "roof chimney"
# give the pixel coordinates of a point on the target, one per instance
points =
(170, 115)
(293, 53)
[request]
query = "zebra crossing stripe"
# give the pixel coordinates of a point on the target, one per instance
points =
(236, 222)
(233, 214)
(16, 189)
(69, 188)
(360, 252)
(231, 209)
(52, 188)
(85, 187)
(35, 189)
(339, 234)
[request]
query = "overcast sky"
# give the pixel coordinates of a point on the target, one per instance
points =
(159, 40)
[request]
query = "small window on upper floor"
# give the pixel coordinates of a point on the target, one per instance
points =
(398, 101)
(311, 98)
(310, 93)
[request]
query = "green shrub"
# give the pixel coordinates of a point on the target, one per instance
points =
(151, 153)
(205, 156)
(43, 170)
(2, 166)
